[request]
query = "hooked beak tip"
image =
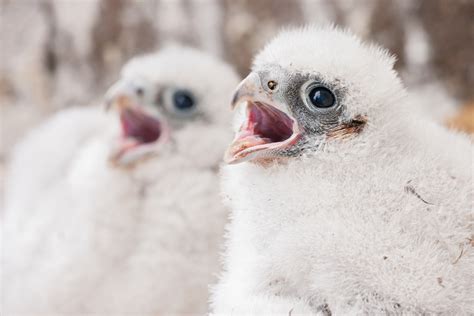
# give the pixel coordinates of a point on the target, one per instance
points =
(235, 99)
(107, 104)
(247, 90)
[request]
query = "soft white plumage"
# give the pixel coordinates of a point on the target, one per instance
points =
(93, 228)
(366, 209)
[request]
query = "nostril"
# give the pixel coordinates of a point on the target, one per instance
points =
(272, 84)
(139, 92)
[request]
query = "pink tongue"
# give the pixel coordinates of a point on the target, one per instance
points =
(140, 126)
(264, 125)
(270, 124)
(248, 135)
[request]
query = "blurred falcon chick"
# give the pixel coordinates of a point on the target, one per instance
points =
(119, 212)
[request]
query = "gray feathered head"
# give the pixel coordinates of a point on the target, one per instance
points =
(311, 86)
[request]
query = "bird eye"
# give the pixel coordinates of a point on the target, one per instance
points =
(183, 100)
(178, 102)
(321, 97)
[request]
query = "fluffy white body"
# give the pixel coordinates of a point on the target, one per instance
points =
(83, 235)
(378, 222)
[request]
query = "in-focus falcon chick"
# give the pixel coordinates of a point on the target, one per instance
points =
(119, 212)
(343, 199)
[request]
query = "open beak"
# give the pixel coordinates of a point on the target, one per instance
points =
(267, 130)
(141, 131)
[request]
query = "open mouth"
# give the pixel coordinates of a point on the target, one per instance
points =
(139, 126)
(141, 133)
(265, 131)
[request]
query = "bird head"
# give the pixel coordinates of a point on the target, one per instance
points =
(162, 97)
(310, 87)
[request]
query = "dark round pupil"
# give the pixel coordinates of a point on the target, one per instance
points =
(321, 97)
(183, 100)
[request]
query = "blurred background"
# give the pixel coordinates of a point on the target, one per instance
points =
(61, 53)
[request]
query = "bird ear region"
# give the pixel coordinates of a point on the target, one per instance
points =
(348, 129)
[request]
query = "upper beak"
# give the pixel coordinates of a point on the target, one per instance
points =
(251, 89)
(121, 95)
(267, 125)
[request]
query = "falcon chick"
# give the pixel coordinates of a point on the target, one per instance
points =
(119, 212)
(343, 199)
